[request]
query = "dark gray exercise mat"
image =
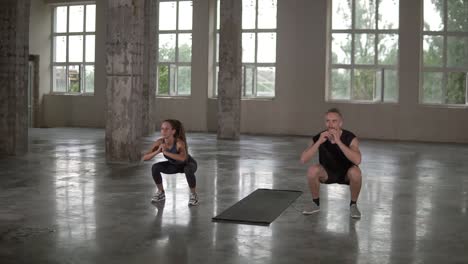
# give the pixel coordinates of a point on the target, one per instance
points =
(260, 207)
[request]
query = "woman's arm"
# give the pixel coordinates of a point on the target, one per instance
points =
(155, 150)
(181, 152)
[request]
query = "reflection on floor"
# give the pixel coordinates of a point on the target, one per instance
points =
(62, 203)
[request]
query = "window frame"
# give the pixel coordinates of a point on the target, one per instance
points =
(82, 65)
(352, 66)
(444, 69)
(176, 63)
(253, 65)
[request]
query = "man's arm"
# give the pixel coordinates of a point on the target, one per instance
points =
(309, 152)
(352, 152)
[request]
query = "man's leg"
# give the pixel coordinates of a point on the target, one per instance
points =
(355, 180)
(315, 175)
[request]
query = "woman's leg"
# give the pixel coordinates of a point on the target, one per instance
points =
(162, 167)
(189, 170)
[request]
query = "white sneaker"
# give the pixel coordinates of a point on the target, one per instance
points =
(193, 199)
(310, 209)
(354, 211)
(158, 197)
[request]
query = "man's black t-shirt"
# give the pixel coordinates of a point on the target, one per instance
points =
(333, 159)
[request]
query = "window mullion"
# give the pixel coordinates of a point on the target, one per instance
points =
(83, 59)
(52, 48)
(254, 80)
(215, 62)
(376, 51)
(81, 71)
(444, 56)
(376, 58)
(244, 80)
(382, 80)
(67, 52)
(169, 80)
(216, 48)
(176, 89)
(466, 87)
(82, 88)
(353, 37)
(329, 87)
(377, 15)
(254, 70)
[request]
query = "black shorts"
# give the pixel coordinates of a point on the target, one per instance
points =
(335, 176)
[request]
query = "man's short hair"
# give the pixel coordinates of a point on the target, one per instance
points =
(334, 110)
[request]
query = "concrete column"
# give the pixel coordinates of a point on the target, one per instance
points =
(202, 40)
(230, 69)
(410, 34)
(149, 69)
(124, 93)
(14, 53)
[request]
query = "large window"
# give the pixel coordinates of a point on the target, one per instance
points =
(175, 48)
(363, 57)
(445, 52)
(258, 48)
(73, 45)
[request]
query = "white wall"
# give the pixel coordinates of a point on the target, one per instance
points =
(39, 44)
(192, 111)
(67, 110)
(301, 73)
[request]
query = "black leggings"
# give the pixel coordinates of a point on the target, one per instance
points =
(167, 167)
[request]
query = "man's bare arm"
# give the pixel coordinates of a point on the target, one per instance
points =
(309, 152)
(352, 152)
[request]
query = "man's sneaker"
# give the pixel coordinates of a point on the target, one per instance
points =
(158, 197)
(310, 209)
(193, 199)
(355, 211)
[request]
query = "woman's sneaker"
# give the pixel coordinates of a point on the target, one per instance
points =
(158, 197)
(193, 200)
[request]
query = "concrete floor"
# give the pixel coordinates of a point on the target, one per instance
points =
(63, 204)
